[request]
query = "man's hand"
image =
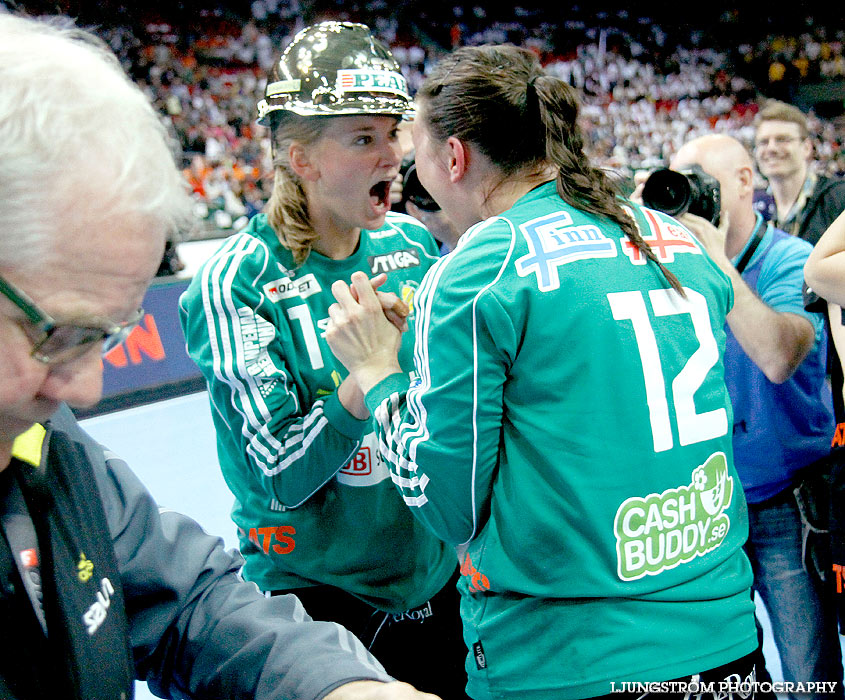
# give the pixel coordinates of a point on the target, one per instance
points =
(373, 690)
(712, 238)
(640, 176)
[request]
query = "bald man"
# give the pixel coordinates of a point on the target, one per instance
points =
(775, 373)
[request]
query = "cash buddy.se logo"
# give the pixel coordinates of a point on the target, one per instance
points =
(661, 531)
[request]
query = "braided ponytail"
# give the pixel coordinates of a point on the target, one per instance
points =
(579, 183)
(499, 99)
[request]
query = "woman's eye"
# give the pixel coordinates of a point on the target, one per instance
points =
(364, 140)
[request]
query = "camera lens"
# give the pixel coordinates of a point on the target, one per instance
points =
(667, 191)
(414, 192)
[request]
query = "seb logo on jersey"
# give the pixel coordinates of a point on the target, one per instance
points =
(397, 260)
(366, 468)
(662, 531)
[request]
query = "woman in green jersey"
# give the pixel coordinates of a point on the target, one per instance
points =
(569, 425)
(316, 512)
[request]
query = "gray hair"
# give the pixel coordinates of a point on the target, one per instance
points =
(73, 126)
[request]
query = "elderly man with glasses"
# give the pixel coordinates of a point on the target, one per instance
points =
(97, 587)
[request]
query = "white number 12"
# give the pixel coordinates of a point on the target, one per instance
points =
(692, 427)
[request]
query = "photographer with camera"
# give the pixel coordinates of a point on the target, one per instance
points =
(775, 373)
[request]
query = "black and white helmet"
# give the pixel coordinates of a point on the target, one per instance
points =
(332, 69)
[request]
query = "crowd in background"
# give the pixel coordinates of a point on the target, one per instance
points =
(646, 87)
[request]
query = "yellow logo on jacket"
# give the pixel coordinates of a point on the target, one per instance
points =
(85, 568)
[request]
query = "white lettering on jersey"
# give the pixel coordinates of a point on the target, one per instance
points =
(397, 260)
(384, 233)
(256, 334)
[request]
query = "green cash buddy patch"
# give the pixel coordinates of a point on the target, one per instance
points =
(661, 531)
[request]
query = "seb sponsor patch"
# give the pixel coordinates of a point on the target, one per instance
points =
(366, 467)
(553, 241)
(662, 531)
(286, 288)
(367, 80)
(397, 260)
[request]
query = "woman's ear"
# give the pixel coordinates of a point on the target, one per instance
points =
(302, 163)
(459, 158)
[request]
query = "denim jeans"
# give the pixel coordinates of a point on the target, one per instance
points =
(804, 622)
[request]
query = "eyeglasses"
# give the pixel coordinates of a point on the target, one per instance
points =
(54, 343)
(778, 140)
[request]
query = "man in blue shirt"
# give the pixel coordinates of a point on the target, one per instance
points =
(775, 372)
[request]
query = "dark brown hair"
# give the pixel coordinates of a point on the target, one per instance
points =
(499, 99)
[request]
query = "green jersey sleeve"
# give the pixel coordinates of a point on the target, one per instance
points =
(460, 326)
(239, 339)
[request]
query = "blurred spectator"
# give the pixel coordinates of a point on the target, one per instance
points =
(647, 86)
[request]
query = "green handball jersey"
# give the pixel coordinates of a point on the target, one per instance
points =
(314, 503)
(569, 430)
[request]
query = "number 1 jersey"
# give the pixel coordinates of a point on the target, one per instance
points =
(314, 503)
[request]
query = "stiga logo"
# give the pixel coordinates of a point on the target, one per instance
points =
(365, 80)
(662, 531)
(397, 260)
(286, 288)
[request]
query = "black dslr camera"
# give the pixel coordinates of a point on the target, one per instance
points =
(675, 192)
(412, 189)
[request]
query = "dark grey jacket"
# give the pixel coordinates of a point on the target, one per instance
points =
(196, 629)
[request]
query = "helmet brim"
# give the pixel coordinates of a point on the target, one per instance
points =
(386, 106)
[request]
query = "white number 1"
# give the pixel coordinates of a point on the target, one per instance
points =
(692, 427)
(302, 314)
